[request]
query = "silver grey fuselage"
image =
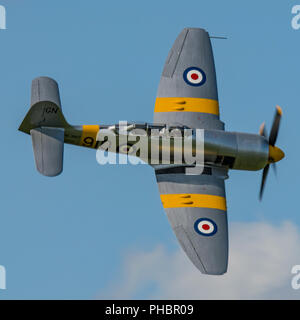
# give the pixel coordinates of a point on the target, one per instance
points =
(233, 150)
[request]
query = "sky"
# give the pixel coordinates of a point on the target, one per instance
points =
(99, 232)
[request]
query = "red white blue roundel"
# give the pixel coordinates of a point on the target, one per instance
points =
(205, 227)
(194, 76)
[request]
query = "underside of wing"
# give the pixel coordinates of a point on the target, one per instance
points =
(196, 209)
(187, 93)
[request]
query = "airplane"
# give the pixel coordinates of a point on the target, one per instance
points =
(187, 97)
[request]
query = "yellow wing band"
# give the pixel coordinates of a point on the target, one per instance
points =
(186, 200)
(187, 105)
(89, 136)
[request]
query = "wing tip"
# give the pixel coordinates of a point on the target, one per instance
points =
(189, 29)
(215, 272)
(212, 267)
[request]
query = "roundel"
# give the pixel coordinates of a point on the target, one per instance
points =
(194, 76)
(205, 227)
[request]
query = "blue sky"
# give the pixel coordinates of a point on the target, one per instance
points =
(67, 237)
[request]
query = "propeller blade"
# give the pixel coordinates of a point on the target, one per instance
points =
(275, 154)
(263, 181)
(274, 168)
(275, 126)
(262, 130)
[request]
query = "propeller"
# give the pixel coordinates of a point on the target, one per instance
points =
(275, 154)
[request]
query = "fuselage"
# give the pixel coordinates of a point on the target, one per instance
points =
(233, 150)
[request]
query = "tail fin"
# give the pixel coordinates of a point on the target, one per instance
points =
(45, 123)
(45, 110)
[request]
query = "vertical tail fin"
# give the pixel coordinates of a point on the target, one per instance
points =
(45, 110)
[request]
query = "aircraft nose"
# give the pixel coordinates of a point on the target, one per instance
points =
(275, 154)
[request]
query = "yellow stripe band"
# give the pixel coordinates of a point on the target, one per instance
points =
(178, 104)
(193, 200)
(89, 135)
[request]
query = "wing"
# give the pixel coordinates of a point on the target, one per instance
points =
(196, 209)
(187, 93)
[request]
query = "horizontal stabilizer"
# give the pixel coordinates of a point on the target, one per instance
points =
(48, 148)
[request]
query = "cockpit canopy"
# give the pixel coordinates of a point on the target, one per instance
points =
(146, 129)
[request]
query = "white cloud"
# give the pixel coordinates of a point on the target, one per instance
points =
(260, 262)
